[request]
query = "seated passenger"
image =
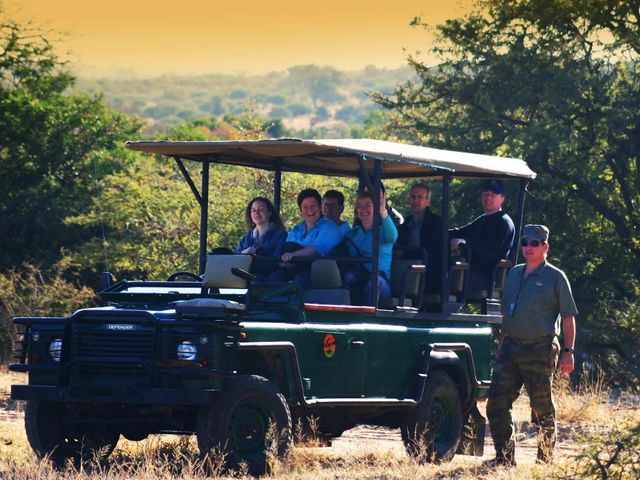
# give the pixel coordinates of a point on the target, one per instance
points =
(332, 208)
(395, 215)
(360, 244)
(316, 235)
(266, 233)
(423, 228)
(489, 237)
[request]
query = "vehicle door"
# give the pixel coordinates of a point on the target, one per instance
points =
(333, 358)
(393, 354)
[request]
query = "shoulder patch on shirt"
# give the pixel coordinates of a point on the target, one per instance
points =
(538, 284)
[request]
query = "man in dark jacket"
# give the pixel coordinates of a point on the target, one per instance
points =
(489, 237)
(423, 228)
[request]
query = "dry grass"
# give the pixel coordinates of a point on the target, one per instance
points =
(366, 454)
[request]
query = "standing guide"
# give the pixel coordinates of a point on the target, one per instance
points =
(537, 297)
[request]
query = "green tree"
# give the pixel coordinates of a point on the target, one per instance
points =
(556, 83)
(51, 147)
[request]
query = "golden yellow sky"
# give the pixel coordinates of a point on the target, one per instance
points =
(208, 36)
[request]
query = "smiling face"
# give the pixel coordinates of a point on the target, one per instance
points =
(364, 211)
(260, 214)
(310, 210)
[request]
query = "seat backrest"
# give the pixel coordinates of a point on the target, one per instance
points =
(500, 275)
(458, 273)
(326, 284)
(218, 273)
(325, 274)
(399, 269)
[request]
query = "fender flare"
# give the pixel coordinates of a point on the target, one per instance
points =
(456, 356)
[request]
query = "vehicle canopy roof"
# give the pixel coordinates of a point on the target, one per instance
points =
(341, 157)
(369, 160)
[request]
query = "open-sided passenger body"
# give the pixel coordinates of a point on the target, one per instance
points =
(368, 160)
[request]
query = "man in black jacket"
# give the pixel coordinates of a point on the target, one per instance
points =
(423, 228)
(489, 237)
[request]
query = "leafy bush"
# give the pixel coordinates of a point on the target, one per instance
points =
(33, 292)
(612, 336)
(611, 456)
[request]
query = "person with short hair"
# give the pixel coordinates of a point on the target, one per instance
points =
(315, 235)
(265, 231)
(423, 228)
(332, 208)
(360, 244)
(537, 305)
(489, 237)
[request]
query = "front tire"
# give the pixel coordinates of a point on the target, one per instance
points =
(50, 436)
(432, 430)
(250, 421)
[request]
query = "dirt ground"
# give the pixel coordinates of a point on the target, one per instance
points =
(369, 439)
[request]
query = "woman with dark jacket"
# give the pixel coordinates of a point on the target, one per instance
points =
(266, 233)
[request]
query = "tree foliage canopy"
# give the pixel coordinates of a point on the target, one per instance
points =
(51, 147)
(558, 84)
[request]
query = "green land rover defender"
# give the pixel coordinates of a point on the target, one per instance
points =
(239, 362)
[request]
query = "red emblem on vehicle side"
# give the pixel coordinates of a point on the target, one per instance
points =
(329, 345)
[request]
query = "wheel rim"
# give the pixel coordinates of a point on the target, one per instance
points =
(442, 424)
(248, 428)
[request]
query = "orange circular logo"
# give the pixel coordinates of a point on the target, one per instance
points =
(329, 345)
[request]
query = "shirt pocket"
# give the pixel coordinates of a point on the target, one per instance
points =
(535, 298)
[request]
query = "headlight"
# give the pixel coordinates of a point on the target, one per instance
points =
(55, 349)
(187, 351)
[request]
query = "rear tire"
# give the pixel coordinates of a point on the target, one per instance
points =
(50, 436)
(432, 430)
(250, 422)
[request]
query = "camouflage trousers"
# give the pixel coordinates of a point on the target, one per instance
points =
(530, 364)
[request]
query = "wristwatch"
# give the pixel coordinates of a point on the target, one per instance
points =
(568, 350)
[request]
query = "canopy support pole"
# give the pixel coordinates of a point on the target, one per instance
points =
(277, 187)
(446, 198)
(513, 254)
(375, 190)
(204, 215)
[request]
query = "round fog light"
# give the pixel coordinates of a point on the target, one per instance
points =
(187, 351)
(55, 349)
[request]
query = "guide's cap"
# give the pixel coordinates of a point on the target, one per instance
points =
(536, 232)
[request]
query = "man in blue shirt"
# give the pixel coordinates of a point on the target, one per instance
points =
(332, 208)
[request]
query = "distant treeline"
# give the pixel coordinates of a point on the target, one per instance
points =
(305, 97)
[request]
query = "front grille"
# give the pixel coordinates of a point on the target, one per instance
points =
(124, 370)
(111, 350)
(116, 345)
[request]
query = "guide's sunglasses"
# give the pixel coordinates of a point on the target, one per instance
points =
(534, 243)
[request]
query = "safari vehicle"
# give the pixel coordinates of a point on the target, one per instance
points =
(239, 362)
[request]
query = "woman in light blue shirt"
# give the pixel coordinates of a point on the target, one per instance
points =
(360, 244)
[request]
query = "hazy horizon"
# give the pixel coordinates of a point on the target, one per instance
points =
(147, 38)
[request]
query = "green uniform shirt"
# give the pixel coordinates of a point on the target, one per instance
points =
(533, 307)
